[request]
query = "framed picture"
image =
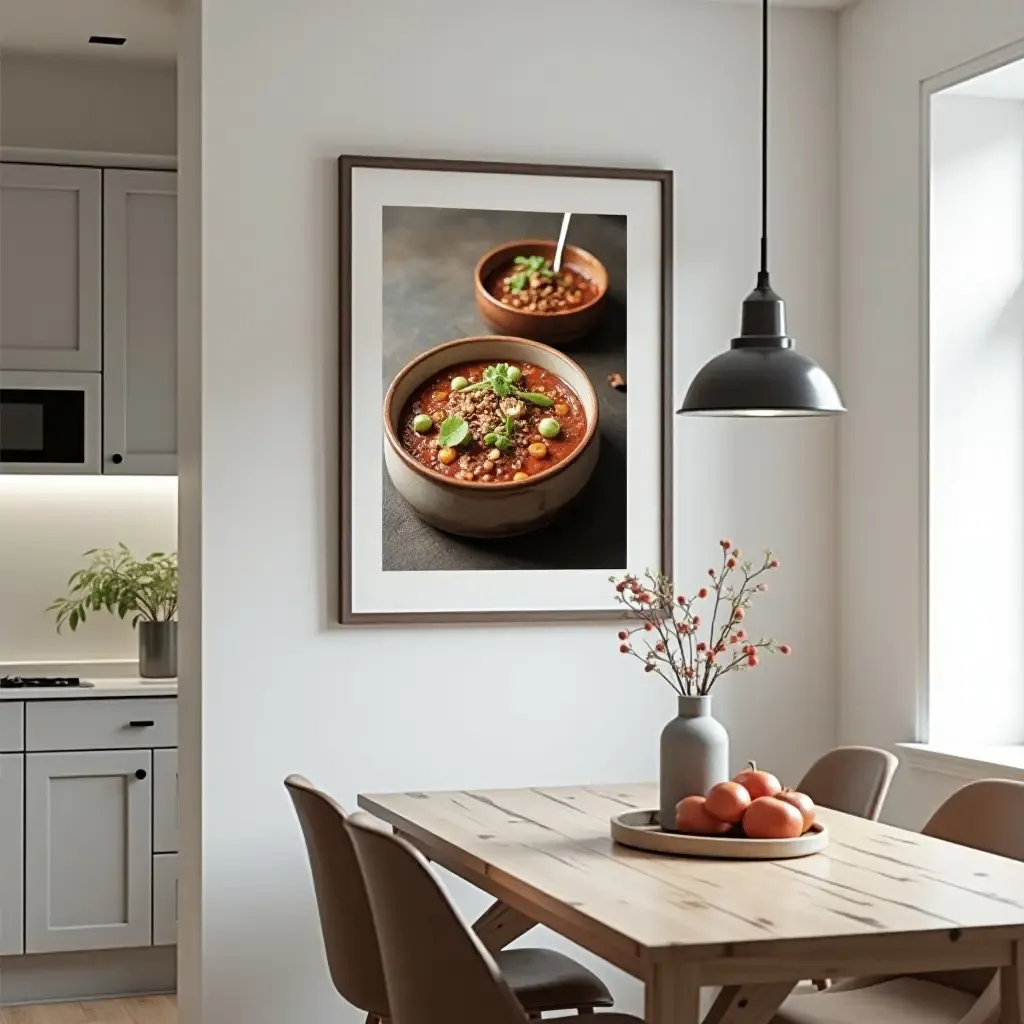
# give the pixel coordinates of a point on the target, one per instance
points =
(504, 402)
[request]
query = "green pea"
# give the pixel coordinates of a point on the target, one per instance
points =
(514, 375)
(548, 427)
(458, 383)
(422, 423)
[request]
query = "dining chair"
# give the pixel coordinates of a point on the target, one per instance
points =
(541, 979)
(437, 969)
(854, 780)
(984, 815)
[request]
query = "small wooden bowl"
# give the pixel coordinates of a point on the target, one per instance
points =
(554, 328)
(640, 830)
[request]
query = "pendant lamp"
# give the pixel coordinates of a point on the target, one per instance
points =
(762, 374)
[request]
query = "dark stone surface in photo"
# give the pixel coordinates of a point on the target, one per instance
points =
(429, 258)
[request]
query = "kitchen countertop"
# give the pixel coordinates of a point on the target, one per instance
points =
(108, 678)
(99, 688)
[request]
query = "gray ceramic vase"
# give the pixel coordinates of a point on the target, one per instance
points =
(694, 756)
(158, 650)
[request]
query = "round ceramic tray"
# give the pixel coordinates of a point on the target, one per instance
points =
(640, 830)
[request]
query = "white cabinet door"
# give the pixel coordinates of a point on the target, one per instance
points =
(140, 325)
(50, 261)
(165, 801)
(165, 900)
(12, 893)
(88, 850)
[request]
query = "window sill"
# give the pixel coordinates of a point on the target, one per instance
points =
(966, 762)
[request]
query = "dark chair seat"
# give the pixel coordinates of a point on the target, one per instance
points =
(544, 979)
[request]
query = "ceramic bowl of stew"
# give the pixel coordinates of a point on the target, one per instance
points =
(480, 459)
(515, 296)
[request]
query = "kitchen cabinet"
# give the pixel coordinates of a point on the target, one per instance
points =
(11, 853)
(140, 298)
(165, 899)
(88, 850)
(165, 801)
(50, 268)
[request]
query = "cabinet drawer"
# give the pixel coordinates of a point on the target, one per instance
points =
(165, 801)
(101, 724)
(165, 900)
(12, 727)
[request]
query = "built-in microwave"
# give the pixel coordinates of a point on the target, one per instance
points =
(50, 422)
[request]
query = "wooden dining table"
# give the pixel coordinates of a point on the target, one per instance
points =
(877, 901)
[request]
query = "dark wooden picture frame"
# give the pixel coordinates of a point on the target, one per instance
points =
(346, 165)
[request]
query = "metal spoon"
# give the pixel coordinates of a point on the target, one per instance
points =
(557, 264)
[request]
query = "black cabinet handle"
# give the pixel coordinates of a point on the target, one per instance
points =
(117, 459)
(140, 774)
(142, 723)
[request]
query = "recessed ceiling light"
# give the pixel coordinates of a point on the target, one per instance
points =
(107, 40)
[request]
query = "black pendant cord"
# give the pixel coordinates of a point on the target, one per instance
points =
(762, 277)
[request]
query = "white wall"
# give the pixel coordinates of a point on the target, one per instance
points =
(87, 104)
(977, 419)
(887, 49)
(276, 688)
(46, 522)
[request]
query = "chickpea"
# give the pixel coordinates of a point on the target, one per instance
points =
(488, 465)
(521, 476)
(439, 396)
(532, 307)
(494, 454)
(561, 408)
(538, 449)
(437, 417)
(446, 456)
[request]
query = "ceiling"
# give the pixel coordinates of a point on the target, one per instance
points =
(64, 26)
(1005, 83)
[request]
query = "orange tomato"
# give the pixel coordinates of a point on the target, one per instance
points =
(727, 801)
(802, 802)
(771, 818)
(692, 816)
(757, 783)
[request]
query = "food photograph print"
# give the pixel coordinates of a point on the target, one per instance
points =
(504, 373)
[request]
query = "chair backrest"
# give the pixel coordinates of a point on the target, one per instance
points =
(350, 940)
(854, 780)
(437, 970)
(987, 816)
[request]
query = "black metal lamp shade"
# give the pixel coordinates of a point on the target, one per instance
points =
(762, 374)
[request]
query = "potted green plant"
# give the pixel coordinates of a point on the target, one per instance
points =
(145, 589)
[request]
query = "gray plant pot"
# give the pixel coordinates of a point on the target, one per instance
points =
(694, 756)
(158, 650)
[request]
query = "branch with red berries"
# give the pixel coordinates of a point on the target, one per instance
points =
(669, 624)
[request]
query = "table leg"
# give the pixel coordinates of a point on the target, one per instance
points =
(672, 994)
(748, 1004)
(1011, 988)
(501, 924)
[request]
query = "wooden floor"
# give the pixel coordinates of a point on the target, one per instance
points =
(142, 1010)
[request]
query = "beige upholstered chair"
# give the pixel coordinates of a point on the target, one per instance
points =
(437, 970)
(854, 780)
(986, 816)
(542, 979)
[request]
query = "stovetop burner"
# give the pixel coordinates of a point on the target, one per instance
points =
(32, 682)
